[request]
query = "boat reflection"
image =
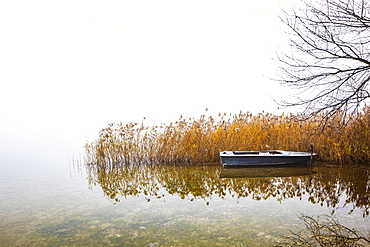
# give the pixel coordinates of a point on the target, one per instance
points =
(268, 171)
(330, 187)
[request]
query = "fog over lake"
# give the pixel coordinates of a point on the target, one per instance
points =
(68, 69)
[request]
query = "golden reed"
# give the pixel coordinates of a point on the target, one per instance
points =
(195, 141)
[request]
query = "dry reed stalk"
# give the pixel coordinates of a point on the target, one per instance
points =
(199, 140)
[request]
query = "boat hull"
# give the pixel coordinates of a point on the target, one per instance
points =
(272, 159)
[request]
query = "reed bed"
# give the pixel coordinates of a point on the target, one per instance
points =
(198, 140)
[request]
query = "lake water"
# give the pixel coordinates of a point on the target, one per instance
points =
(54, 203)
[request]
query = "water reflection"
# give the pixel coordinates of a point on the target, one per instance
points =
(269, 171)
(331, 187)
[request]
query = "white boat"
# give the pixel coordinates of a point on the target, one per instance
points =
(265, 158)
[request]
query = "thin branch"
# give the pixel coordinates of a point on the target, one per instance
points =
(331, 43)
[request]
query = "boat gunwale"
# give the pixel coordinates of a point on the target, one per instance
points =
(267, 153)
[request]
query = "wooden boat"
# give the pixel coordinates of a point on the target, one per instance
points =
(264, 158)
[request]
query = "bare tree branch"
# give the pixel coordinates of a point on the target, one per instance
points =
(330, 60)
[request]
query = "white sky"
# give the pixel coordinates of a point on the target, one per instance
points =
(72, 67)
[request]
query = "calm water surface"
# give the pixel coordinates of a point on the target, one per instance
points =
(66, 204)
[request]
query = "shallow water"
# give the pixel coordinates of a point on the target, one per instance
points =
(65, 204)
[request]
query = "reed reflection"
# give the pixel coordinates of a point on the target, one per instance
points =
(330, 187)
